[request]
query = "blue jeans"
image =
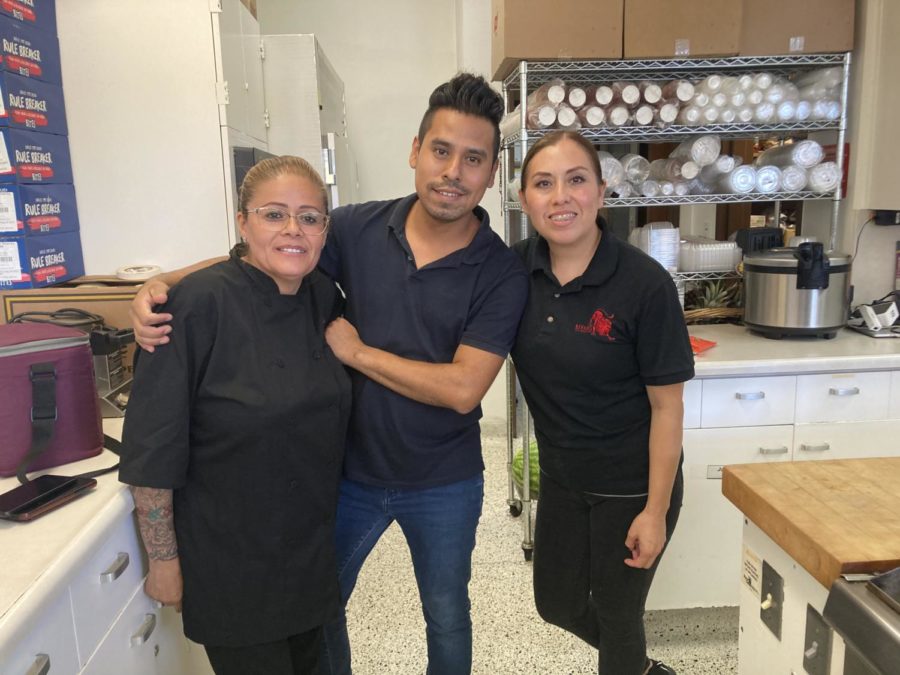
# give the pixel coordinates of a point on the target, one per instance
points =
(439, 525)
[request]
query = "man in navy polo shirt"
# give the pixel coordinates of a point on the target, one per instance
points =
(434, 298)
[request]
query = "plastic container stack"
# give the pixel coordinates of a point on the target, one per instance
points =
(659, 240)
(699, 254)
(695, 167)
(752, 98)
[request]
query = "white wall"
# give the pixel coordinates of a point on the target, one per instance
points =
(874, 148)
(144, 131)
(390, 55)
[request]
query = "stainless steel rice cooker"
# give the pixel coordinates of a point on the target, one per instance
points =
(796, 291)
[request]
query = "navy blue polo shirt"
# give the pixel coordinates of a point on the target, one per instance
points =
(474, 296)
(584, 355)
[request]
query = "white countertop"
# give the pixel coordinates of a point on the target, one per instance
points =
(739, 352)
(32, 551)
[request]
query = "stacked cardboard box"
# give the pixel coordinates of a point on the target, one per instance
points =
(535, 30)
(40, 242)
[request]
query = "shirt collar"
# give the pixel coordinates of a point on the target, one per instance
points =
(473, 254)
(599, 270)
(262, 281)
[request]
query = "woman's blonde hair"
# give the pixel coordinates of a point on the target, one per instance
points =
(274, 167)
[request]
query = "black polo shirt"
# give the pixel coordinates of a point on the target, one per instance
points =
(474, 296)
(584, 355)
(244, 416)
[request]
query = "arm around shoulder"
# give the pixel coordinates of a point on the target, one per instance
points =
(151, 329)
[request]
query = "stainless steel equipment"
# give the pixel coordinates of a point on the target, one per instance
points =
(796, 291)
(866, 613)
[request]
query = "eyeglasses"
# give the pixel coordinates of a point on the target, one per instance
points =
(273, 218)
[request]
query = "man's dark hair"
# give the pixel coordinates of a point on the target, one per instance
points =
(468, 94)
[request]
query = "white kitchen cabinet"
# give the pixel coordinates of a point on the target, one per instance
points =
(894, 399)
(748, 401)
(49, 636)
(837, 397)
(785, 384)
(132, 643)
(104, 584)
(702, 560)
(693, 391)
(847, 440)
(61, 595)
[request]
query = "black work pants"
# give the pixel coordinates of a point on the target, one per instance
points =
(296, 655)
(581, 582)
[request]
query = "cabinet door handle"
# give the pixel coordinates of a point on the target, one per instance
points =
(142, 634)
(814, 448)
(114, 571)
(780, 450)
(40, 666)
(843, 391)
(750, 395)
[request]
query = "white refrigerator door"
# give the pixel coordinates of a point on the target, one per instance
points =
(340, 171)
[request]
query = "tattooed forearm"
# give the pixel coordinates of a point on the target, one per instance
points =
(154, 512)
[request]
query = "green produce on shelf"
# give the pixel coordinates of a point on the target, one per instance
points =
(518, 464)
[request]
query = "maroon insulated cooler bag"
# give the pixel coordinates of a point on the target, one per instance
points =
(49, 413)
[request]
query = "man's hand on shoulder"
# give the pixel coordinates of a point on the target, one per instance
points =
(150, 329)
(343, 339)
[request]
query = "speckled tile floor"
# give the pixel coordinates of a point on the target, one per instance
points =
(388, 633)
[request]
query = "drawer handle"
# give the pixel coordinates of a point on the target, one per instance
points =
(750, 395)
(142, 634)
(114, 571)
(843, 391)
(780, 450)
(41, 665)
(815, 448)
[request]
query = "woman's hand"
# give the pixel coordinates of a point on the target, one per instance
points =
(147, 331)
(164, 582)
(646, 538)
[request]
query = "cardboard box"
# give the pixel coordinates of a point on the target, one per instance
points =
(544, 31)
(35, 262)
(37, 209)
(797, 26)
(29, 52)
(36, 13)
(682, 28)
(110, 302)
(31, 157)
(31, 104)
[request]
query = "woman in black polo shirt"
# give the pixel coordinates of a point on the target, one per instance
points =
(602, 354)
(234, 438)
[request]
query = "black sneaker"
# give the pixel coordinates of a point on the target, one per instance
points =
(658, 668)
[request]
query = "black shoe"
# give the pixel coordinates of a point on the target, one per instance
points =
(658, 668)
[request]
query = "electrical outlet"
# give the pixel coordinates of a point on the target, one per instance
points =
(887, 217)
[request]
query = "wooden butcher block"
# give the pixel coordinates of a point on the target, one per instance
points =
(833, 517)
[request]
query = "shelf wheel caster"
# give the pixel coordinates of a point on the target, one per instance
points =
(529, 552)
(515, 509)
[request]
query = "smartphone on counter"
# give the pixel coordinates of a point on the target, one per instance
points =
(43, 494)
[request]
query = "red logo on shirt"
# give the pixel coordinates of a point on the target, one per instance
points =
(600, 325)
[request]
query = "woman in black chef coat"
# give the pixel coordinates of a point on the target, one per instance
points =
(234, 437)
(602, 354)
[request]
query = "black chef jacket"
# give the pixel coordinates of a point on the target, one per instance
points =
(244, 416)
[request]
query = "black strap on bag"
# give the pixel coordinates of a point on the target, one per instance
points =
(43, 421)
